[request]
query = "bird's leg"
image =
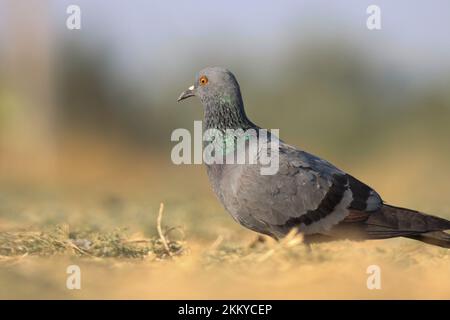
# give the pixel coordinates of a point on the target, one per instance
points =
(259, 240)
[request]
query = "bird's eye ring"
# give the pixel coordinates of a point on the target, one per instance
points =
(203, 80)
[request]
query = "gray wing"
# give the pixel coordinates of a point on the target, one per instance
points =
(307, 193)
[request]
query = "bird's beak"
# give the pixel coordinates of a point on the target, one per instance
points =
(186, 94)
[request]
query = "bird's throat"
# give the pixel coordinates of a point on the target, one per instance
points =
(222, 113)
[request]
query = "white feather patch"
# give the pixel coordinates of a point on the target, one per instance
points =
(373, 201)
(338, 214)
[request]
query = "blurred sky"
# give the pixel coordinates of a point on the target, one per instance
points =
(157, 35)
(416, 31)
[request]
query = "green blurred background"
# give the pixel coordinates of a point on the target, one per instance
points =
(86, 115)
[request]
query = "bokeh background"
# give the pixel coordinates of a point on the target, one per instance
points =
(86, 115)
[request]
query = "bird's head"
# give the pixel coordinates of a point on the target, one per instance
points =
(212, 85)
(219, 93)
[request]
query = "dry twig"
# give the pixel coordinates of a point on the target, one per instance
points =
(160, 232)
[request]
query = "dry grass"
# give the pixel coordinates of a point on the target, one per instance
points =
(113, 244)
(115, 265)
(286, 270)
(126, 248)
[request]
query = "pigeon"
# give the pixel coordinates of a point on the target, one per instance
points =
(307, 193)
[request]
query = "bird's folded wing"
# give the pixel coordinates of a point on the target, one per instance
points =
(307, 193)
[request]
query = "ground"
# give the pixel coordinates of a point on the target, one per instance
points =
(106, 223)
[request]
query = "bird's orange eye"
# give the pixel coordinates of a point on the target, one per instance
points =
(203, 80)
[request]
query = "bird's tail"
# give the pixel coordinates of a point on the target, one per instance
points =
(392, 221)
(437, 238)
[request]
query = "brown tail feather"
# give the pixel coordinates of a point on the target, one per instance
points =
(437, 238)
(393, 221)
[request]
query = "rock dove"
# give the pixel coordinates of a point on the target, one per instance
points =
(307, 193)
